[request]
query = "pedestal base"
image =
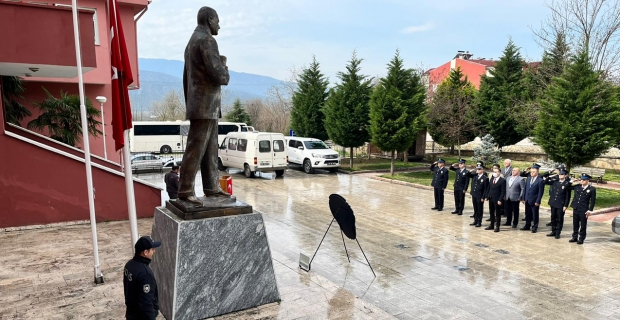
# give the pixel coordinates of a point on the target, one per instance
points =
(212, 266)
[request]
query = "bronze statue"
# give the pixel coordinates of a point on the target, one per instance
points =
(205, 71)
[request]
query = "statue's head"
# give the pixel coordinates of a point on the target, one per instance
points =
(207, 17)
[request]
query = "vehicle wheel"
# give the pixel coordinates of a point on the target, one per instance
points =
(220, 166)
(247, 172)
(165, 149)
(279, 173)
(333, 170)
(308, 166)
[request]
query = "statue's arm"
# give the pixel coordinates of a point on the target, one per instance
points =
(185, 84)
(215, 68)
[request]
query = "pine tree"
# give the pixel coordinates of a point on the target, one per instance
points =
(308, 100)
(499, 94)
(451, 119)
(397, 109)
(238, 113)
(487, 152)
(580, 115)
(347, 108)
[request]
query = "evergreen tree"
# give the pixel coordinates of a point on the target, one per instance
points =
(347, 108)
(238, 114)
(397, 109)
(580, 115)
(451, 119)
(308, 100)
(487, 152)
(499, 94)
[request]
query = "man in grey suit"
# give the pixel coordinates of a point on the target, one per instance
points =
(507, 170)
(204, 73)
(514, 192)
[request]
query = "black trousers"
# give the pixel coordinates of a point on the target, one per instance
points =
(512, 212)
(478, 209)
(557, 220)
(173, 195)
(439, 198)
(495, 210)
(531, 215)
(580, 224)
(459, 200)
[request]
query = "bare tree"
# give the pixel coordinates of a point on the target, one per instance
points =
(593, 24)
(170, 108)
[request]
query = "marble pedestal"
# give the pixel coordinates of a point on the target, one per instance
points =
(212, 266)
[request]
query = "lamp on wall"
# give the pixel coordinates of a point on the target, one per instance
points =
(102, 100)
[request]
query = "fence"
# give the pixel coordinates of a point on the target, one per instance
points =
(434, 147)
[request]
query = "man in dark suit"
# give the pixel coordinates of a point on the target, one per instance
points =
(532, 195)
(514, 193)
(558, 200)
(461, 182)
(495, 195)
(583, 205)
(479, 187)
(204, 73)
(440, 182)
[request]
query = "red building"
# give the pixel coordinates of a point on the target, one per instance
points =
(474, 69)
(43, 181)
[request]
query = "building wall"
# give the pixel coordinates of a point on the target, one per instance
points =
(472, 70)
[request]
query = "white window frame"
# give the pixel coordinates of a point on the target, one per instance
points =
(95, 19)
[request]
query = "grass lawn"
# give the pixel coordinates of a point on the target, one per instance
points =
(377, 164)
(605, 198)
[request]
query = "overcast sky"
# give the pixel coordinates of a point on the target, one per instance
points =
(272, 37)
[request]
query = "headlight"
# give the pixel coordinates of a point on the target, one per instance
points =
(316, 155)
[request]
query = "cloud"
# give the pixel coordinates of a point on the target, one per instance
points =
(421, 28)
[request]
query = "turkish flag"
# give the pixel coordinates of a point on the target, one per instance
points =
(121, 78)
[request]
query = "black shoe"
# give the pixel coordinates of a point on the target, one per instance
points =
(552, 234)
(524, 228)
(496, 229)
(572, 240)
(489, 219)
(548, 224)
(523, 219)
(439, 209)
(491, 227)
(471, 216)
(580, 242)
(506, 224)
(478, 225)
(460, 213)
(455, 212)
(557, 236)
(514, 226)
(434, 208)
(534, 230)
(473, 224)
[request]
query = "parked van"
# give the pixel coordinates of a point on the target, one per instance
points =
(312, 154)
(252, 152)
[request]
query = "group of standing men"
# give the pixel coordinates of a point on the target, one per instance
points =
(505, 189)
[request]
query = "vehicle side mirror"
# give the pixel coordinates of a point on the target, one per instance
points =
(222, 147)
(300, 148)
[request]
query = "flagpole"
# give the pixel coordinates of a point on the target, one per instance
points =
(131, 200)
(86, 143)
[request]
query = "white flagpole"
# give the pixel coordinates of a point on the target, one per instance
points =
(131, 198)
(86, 142)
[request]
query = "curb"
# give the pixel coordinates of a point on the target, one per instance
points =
(414, 169)
(419, 186)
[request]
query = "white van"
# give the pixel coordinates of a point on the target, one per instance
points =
(253, 151)
(312, 154)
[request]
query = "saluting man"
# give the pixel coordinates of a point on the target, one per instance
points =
(583, 205)
(479, 190)
(440, 182)
(532, 195)
(559, 199)
(461, 182)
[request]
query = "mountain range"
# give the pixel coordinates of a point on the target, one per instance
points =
(159, 76)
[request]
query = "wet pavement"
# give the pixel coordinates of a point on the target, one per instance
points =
(429, 264)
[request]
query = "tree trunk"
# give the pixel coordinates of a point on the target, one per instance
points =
(459, 143)
(351, 158)
(392, 164)
(452, 149)
(406, 157)
(368, 151)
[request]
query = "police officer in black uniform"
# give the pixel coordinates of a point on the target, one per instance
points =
(461, 182)
(139, 282)
(559, 199)
(440, 182)
(583, 204)
(479, 191)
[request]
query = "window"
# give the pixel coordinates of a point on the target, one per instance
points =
(317, 144)
(242, 145)
(157, 130)
(232, 144)
(150, 158)
(264, 146)
(224, 129)
(95, 20)
(291, 143)
(298, 144)
(278, 145)
(244, 129)
(224, 143)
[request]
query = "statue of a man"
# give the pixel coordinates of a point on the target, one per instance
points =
(205, 71)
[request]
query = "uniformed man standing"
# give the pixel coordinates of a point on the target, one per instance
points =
(558, 200)
(583, 205)
(479, 187)
(139, 283)
(461, 182)
(440, 182)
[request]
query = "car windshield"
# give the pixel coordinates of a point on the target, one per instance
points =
(315, 145)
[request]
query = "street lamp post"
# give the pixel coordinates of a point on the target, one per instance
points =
(102, 100)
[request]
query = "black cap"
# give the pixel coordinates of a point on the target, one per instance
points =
(461, 160)
(535, 166)
(585, 177)
(479, 167)
(146, 243)
(563, 171)
(441, 160)
(479, 163)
